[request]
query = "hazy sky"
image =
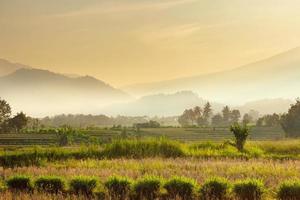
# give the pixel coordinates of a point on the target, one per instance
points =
(130, 41)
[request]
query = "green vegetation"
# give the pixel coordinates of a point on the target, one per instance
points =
(83, 185)
(215, 189)
(50, 184)
(19, 183)
(249, 189)
(147, 188)
(240, 134)
(289, 190)
(142, 149)
(118, 188)
(180, 187)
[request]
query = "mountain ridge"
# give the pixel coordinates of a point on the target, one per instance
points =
(280, 73)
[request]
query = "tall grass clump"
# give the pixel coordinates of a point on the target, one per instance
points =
(118, 188)
(180, 188)
(20, 159)
(143, 149)
(215, 189)
(147, 188)
(50, 184)
(83, 185)
(19, 183)
(250, 189)
(289, 190)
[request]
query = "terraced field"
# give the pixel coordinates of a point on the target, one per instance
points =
(180, 134)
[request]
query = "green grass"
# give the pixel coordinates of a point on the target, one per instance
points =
(151, 148)
(103, 135)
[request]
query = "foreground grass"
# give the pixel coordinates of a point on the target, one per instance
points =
(271, 172)
(279, 150)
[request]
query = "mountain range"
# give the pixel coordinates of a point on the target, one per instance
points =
(41, 92)
(267, 86)
(274, 77)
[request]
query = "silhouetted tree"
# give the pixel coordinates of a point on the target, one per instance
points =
(217, 120)
(207, 112)
(291, 121)
(269, 120)
(5, 111)
(226, 115)
(18, 122)
(247, 119)
(235, 116)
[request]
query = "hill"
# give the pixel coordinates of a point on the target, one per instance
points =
(7, 67)
(275, 77)
(41, 92)
(160, 105)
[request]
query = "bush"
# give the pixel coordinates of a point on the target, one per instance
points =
(83, 185)
(249, 190)
(180, 187)
(143, 149)
(50, 184)
(240, 134)
(19, 183)
(289, 190)
(215, 189)
(118, 188)
(147, 188)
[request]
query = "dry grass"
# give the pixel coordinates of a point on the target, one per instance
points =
(270, 171)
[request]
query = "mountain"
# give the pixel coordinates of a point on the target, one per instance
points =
(41, 92)
(7, 67)
(267, 106)
(275, 77)
(160, 105)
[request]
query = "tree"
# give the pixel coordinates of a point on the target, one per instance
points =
(183, 119)
(226, 115)
(235, 116)
(291, 120)
(247, 119)
(18, 122)
(217, 120)
(207, 112)
(240, 134)
(5, 111)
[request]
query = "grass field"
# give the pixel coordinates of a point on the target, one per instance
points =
(180, 134)
(188, 154)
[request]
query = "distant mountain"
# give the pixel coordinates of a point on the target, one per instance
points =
(160, 105)
(275, 77)
(7, 67)
(41, 92)
(267, 106)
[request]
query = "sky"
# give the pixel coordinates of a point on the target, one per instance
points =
(129, 41)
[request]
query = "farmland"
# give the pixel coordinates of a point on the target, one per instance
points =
(272, 162)
(179, 134)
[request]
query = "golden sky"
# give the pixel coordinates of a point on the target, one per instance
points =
(129, 41)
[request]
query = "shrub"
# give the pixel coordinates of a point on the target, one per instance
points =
(143, 149)
(240, 134)
(147, 188)
(50, 184)
(215, 189)
(180, 187)
(118, 188)
(289, 190)
(249, 189)
(83, 185)
(19, 183)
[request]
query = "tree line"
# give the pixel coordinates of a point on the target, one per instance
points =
(10, 123)
(198, 116)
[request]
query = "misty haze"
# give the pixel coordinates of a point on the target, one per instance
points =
(150, 100)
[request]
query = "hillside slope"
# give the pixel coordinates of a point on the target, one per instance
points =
(41, 92)
(275, 77)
